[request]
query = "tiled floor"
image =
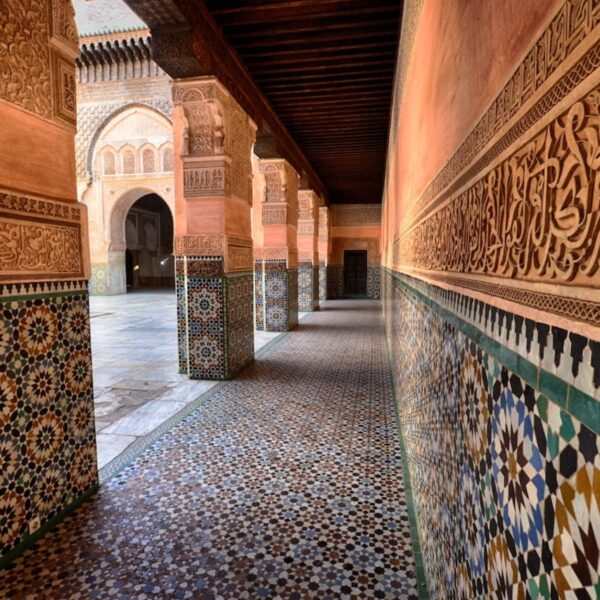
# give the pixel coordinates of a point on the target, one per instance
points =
(283, 484)
(136, 383)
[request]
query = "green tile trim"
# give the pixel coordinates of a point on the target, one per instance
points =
(30, 540)
(580, 405)
(422, 588)
(584, 408)
(554, 388)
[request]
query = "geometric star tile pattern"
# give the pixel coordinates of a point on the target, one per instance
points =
(506, 483)
(285, 483)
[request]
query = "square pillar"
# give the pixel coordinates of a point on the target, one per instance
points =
(48, 458)
(276, 267)
(323, 249)
(213, 244)
(308, 254)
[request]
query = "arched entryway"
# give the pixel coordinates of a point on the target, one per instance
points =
(141, 242)
(149, 245)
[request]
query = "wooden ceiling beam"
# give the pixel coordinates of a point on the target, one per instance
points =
(354, 48)
(308, 12)
(247, 42)
(357, 85)
(325, 69)
(317, 26)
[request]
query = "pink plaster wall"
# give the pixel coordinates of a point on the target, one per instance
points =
(464, 52)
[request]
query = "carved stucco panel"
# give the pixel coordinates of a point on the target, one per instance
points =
(25, 56)
(535, 216)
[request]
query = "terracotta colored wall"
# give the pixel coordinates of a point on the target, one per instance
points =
(491, 293)
(464, 52)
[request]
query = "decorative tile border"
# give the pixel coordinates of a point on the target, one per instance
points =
(504, 473)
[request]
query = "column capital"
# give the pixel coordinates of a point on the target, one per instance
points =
(214, 164)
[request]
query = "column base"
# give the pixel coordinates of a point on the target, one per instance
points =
(335, 281)
(308, 287)
(47, 399)
(259, 296)
(322, 282)
(280, 296)
(215, 319)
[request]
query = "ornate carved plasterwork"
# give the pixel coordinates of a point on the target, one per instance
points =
(274, 191)
(306, 227)
(572, 23)
(281, 192)
(239, 258)
(274, 215)
(535, 216)
(205, 180)
(324, 223)
(65, 107)
(348, 215)
(199, 245)
(93, 118)
(307, 200)
(25, 78)
(588, 63)
(216, 125)
(39, 239)
(63, 30)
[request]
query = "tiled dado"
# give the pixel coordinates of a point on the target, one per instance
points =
(47, 436)
(502, 445)
(276, 295)
(308, 286)
(374, 282)
(99, 280)
(335, 281)
(322, 282)
(214, 318)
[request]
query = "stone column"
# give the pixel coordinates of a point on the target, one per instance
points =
(213, 140)
(276, 264)
(308, 253)
(46, 396)
(323, 249)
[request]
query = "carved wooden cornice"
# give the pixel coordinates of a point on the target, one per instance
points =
(185, 33)
(111, 60)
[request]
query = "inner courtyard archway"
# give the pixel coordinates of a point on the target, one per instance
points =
(149, 244)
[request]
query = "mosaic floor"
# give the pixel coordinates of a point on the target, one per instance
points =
(284, 484)
(136, 383)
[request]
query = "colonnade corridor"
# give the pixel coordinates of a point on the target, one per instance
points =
(284, 483)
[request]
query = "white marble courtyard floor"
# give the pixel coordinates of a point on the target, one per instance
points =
(136, 383)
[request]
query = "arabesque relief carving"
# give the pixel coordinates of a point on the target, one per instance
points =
(535, 216)
(206, 180)
(273, 185)
(64, 30)
(199, 245)
(573, 22)
(216, 126)
(39, 239)
(25, 55)
(350, 214)
(274, 215)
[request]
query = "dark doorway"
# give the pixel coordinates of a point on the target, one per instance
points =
(355, 273)
(149, 235)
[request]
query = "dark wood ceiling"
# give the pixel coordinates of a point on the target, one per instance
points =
(327, 68)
